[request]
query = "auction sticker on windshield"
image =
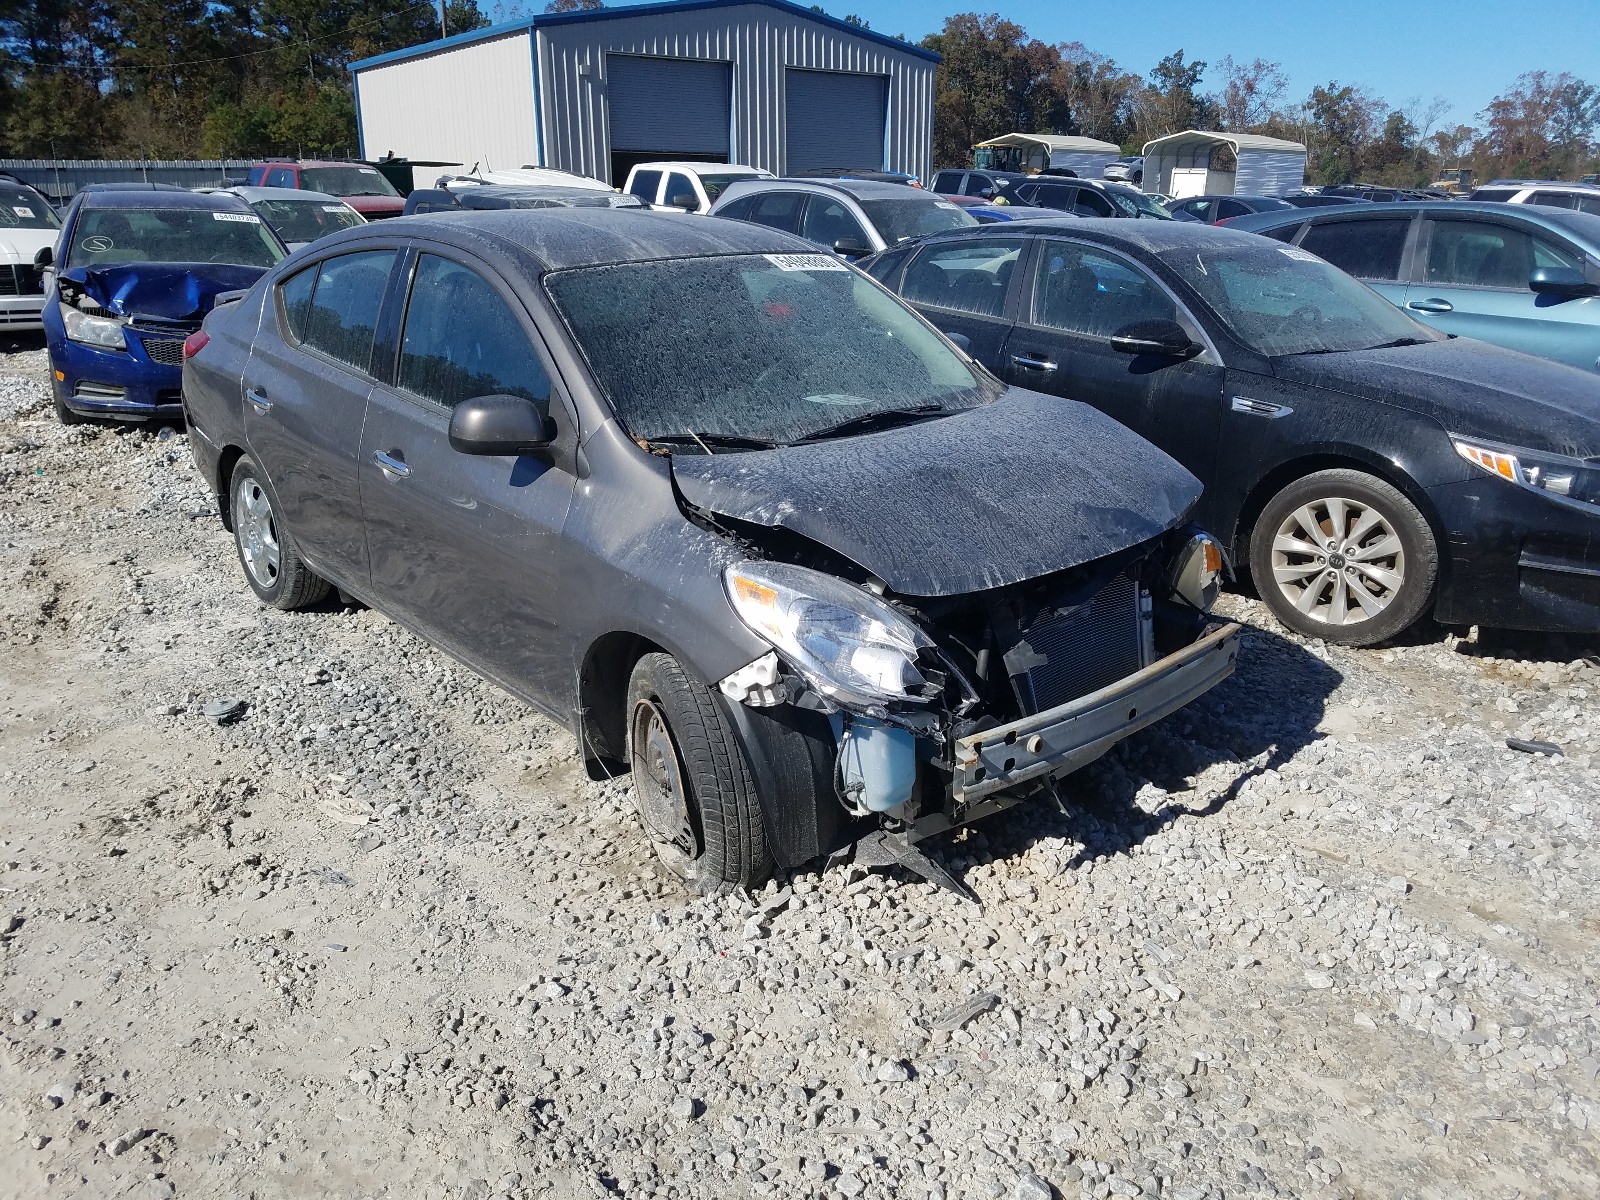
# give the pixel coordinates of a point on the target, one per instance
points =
(805, 262)
(21, 210)
(1298, 254)
(246, 218)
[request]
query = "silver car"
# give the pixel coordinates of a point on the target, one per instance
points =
(299, 217)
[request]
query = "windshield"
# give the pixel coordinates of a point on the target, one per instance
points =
(1137, 204)
(914, 217)
(1284, 300)
(715, 185)
(104, 237)
(346, 181)
(23, 208)
(774, 347)
(306, 220)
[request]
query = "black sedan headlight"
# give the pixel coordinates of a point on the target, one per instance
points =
(1575, 480)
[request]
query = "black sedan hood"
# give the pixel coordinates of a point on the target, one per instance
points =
(992, 496)
(177, 292)
(1470, 388)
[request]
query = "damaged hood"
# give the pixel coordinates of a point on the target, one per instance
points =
(988, 497)
(176, 292)
(1470, 388)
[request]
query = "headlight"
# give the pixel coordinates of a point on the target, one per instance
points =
(93, 331)
(1196, 572)
(848, 644)
(1552, 474)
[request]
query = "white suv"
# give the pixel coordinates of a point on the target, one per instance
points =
(691, 187)
(27, 225)
(1584, 197)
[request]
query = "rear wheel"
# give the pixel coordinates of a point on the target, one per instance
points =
(692, 788)
(1343, 556)
(272, 565)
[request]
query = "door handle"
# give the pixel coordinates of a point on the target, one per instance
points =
(257, 401)
(391, 464)
(1432, 305)
(1033, 364)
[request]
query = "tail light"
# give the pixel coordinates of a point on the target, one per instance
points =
(195, 342)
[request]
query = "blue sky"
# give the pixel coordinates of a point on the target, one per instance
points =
(1467, 51)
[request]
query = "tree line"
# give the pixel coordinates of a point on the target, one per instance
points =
(239, 78)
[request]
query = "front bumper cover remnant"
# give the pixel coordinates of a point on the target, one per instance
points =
(1073, 734)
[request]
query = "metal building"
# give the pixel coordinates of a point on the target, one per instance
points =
(762, 82)
(1197, 163)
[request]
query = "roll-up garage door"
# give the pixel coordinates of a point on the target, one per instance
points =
(835, 119)
(667, 108)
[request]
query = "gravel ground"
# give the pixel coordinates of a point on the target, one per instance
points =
(1321, 934)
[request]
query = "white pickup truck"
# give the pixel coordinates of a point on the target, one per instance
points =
(687, 187)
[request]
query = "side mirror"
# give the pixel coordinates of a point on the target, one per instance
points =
(1166, 338)
(986, 193)
(44, 257)
(686, 201)
(499, 425)
(962, 341)
(848, 248)
(1561, 281)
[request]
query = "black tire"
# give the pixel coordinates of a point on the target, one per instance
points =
(65, 415)
(1138, 178)
(272, 565)
(1393, 563)
(727, 843)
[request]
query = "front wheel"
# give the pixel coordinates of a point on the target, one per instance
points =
(692, 788)
(272, 565)
(65, 415)
(1343, 556)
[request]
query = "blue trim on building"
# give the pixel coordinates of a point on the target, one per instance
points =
(361, 137)
(538, 109)
(636, 10)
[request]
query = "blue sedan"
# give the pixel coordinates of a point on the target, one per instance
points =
(1517, 275)
(132, 275)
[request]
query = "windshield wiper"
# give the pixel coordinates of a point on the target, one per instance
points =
(878, 420)
(705, 441)
(1405, 341)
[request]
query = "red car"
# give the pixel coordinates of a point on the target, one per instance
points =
(360, 185)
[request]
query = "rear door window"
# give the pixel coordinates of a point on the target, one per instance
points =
(1200, 210)
(344, 305)
(1554, 199)
(1090, 203)
(645, 185)
(462, 340)
(969, 277)
(1228, 209)
(779, 210)
(1368, 249)
(295, 292)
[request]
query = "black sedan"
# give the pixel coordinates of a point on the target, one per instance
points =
(1366, 467)
(742, 520)
(1219, 210)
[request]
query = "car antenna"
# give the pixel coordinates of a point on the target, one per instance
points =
(701, 444)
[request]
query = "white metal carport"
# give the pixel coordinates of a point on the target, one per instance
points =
(1200, 163)
(1085, 157)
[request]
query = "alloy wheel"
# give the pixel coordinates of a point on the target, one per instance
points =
(660, 790)
(258, 532)
(1338, 561)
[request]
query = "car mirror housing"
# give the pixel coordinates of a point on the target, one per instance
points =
(849, 248)
(495, 425)
(1166, 338)
(44, 257)
(685, 201)
(1561, 281)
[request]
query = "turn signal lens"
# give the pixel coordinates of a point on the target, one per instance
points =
(1496, 462)
(195, 342)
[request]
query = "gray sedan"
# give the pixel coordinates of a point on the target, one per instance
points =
(710, 499)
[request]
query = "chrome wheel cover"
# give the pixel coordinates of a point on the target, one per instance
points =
(257, 531)
(660, 791)
(1338, 561)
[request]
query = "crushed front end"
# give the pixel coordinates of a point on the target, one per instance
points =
(945, 709)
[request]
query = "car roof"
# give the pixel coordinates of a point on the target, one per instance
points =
(1581, 225)
(554, 239)
(276, 193)
(161, 198)
(1156, 237)
(861, 189)
(695, 168)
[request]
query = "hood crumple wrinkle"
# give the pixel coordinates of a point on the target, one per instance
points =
(1470, 388)
(162, 291)
(988, 497)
